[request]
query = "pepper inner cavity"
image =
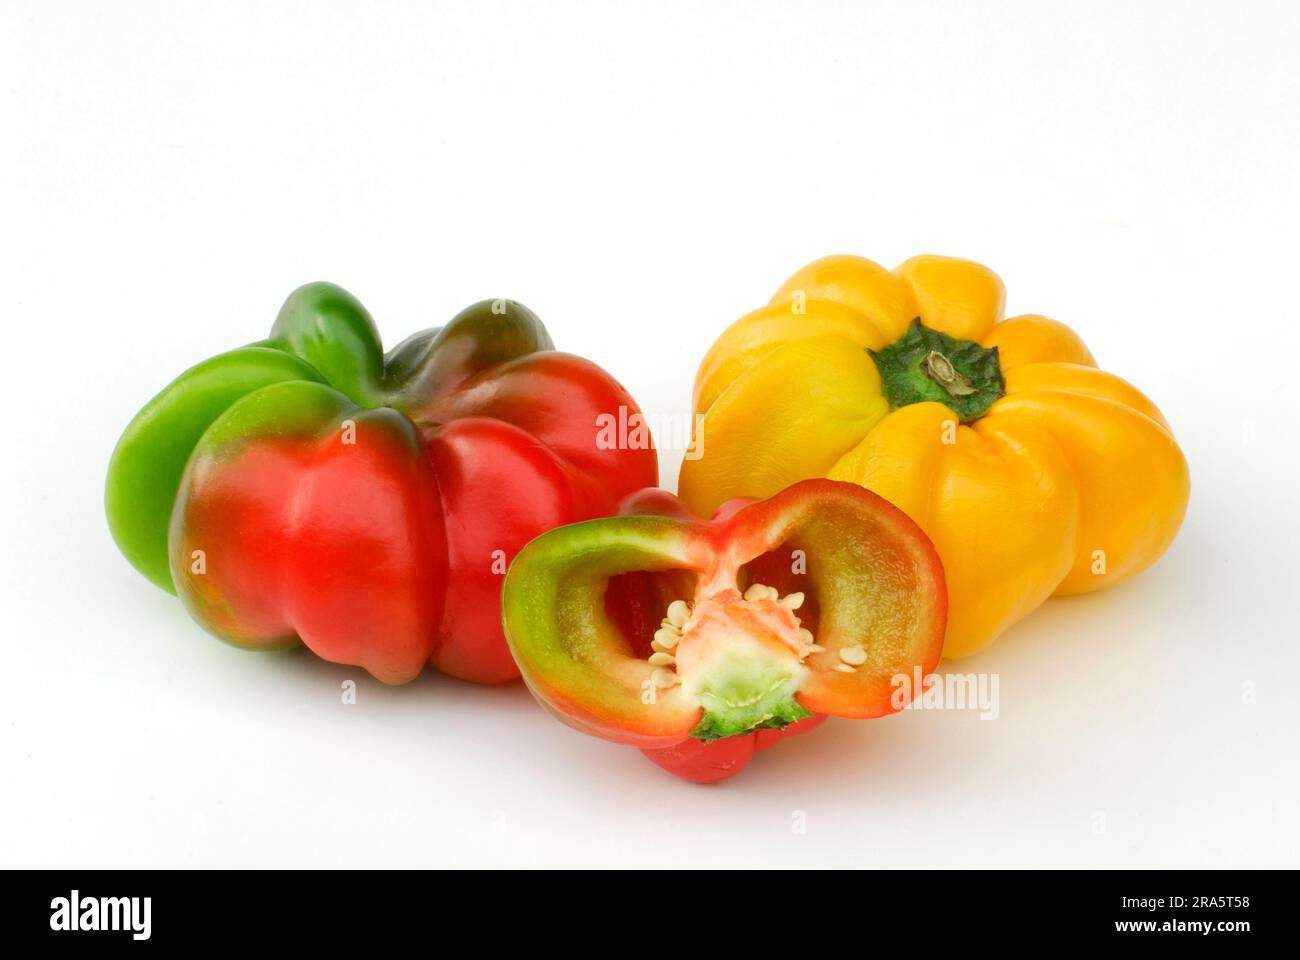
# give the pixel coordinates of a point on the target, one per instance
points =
(760, 613)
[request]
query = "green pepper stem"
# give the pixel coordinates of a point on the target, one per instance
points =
(928, 366)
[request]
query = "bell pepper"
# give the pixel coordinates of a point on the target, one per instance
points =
(309, 488)
(701, 642)
(1034, 472)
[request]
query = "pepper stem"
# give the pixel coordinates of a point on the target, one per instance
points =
(940, 369)
(928, 366)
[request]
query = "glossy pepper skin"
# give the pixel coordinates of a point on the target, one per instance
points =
(309, 488)
(701, 642)
(1034, 472)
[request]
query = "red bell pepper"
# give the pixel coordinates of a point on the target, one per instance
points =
(309, 488)
(701, 642)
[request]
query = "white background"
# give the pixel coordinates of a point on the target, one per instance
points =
(641, 175)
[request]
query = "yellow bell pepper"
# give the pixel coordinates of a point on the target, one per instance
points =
(1034, 473)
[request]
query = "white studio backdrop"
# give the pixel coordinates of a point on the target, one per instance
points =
(641, 175)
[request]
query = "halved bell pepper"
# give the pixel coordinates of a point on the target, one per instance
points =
(311, 488)
(1034, 472)
(700, 642)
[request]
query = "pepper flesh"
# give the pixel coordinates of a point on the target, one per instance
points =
(1060, 479)
(700, 642)
(310, 489)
